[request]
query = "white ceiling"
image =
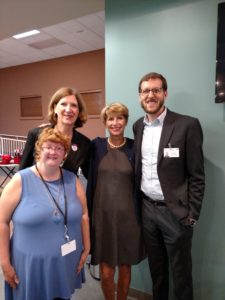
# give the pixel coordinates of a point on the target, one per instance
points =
(71, 36)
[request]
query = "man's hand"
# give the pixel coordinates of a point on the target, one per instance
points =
(188, 222)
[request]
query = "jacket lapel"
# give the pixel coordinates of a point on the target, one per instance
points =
(140, 134)
(167, 131)
(138, 142)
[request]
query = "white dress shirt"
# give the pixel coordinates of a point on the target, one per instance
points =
(150, 184)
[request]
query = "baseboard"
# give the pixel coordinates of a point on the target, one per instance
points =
(139, 295)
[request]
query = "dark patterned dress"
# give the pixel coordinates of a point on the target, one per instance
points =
(116, 233)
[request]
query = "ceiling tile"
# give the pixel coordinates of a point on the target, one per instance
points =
(75, 36)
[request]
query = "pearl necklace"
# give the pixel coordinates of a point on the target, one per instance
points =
(117, 146)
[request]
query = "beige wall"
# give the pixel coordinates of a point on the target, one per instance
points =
(84, 71)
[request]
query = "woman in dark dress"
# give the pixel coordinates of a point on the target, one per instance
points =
(115, 233)
(66, 112)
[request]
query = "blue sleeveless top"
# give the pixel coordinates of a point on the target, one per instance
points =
(38, 234)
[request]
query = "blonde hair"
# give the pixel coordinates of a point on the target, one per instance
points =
(115, 108)
(58, 95)
(51, 135)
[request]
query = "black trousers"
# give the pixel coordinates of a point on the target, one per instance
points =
(168, 243)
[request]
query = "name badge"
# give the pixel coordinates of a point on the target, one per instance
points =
(171, 152)
(68, 247)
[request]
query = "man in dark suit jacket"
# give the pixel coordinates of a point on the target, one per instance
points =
(169, 168)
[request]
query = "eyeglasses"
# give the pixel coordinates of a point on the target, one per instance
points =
(155, 91)
(56, 149)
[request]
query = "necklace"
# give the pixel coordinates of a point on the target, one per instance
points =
(117, 146)
(63, 213)
(57, 210)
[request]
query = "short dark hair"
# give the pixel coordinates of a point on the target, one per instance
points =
(153, 75)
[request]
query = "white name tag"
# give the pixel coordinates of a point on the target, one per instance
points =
(171, 152)
(68, 247)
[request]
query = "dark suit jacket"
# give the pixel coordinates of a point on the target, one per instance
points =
(182, 178)
(74, 160)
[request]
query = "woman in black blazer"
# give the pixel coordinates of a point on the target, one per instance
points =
(66, 112)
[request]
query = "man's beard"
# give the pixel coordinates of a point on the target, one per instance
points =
(155, 110)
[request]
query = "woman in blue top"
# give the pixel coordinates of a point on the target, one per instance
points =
(50, 241)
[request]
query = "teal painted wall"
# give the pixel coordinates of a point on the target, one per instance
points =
(177, 39)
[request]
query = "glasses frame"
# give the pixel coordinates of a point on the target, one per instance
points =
(48, 149)
(155, 91)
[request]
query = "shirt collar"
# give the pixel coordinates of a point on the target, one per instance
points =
(159, 119)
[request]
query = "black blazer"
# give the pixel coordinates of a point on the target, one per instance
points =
(182, 178)
(74, 160)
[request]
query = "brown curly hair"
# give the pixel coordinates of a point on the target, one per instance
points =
(51, 135)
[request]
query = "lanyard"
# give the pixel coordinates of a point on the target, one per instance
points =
(64, 214)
